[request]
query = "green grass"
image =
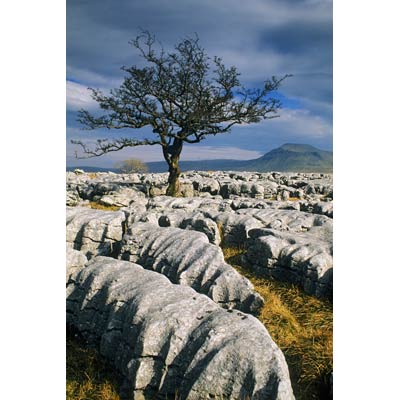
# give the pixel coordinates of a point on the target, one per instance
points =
(301, 325)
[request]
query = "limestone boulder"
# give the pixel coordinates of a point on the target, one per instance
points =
(187, 258)
(168, 341)
(75, 261)
(196, 221)
(301, 258)
(94, 232)
(286, 220)
(235, 227)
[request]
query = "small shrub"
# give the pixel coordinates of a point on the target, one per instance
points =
(132, 165)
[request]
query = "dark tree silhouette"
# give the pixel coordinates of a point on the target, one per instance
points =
(184, 96)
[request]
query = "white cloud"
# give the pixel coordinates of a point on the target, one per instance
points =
(78, 96)
(92, 79)
(299, 123)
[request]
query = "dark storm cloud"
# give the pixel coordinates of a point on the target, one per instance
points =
(301, 38)
(261, 37)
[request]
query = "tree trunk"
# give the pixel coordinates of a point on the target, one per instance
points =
(172, 155)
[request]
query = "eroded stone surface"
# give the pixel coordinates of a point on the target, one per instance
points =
(268, 186)
(167, 339)
(75, 260)
(287, 220)
(226, 206)
(187, 258)
(301, 258)
(94, 232)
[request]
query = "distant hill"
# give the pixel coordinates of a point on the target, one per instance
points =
(290, 157)
(294, 158)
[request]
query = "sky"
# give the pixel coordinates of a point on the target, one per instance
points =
(260, 37)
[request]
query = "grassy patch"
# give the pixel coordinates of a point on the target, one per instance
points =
(88, 376)
(98, 206)
(301, 325)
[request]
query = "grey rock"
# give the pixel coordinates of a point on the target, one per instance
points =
(298, 193)
(230, 188)
(257, 191)
(199, 223)
(172, 218)
(72, 197)
(207, 185)
(196, 221)
(123, 197)
(235, 227)
(137, 212)
(75, 261)
(227, 184)
(285, 195)
(324, 208)
(187, 258)
(94, 232)
(318, 207)
(290, 220)
(159, 190)
(301, 258)
(163, 203)
(186, 189)
(241, 202)
(168, 340)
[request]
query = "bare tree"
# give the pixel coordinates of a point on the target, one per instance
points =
(132, 165)
(184, 96)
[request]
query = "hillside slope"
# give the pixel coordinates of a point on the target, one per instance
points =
(290, 157)
(294, 158)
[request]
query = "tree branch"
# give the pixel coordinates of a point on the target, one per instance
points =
(104, 146)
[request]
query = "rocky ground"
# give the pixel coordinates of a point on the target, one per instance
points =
(148, 284)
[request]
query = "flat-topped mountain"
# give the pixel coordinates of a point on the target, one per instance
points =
(290, 157)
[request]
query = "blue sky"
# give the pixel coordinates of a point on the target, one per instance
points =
(260, 37)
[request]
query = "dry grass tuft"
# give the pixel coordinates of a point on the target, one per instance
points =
(301, 325)
(88, 376)
(98, 206)
(92, 175)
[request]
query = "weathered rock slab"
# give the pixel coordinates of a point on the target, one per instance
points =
(94, 232)
(187, 258)
(301, 258)
(168, 340)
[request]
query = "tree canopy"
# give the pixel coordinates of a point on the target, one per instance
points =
(183, 96)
